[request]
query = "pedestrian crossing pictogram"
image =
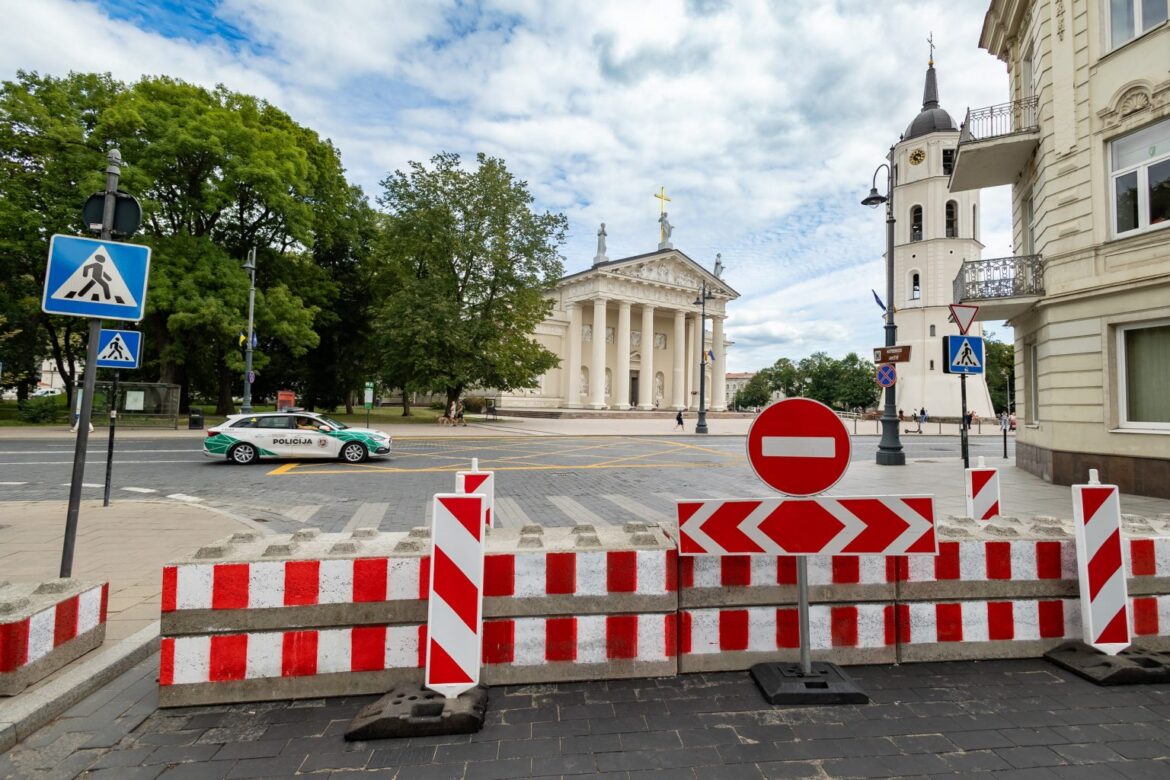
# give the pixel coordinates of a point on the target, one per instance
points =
(119, 348)
(90, 278)
(966, 356)
(97, 280)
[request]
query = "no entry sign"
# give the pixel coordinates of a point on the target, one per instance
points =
(799, 447)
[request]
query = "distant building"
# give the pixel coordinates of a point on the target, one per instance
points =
(1085, 143)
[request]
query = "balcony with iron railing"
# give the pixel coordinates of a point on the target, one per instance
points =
(1002, 287)
(995, 143)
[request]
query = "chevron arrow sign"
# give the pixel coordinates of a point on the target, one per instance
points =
(866, 525)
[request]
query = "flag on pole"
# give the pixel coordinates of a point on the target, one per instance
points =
(877, 299)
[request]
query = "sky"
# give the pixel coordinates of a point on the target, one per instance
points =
(764, 121)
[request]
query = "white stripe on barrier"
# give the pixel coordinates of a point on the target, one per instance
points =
(265, 656)
(41, 628)
(336, 582)
(89, 610)
(266, 584)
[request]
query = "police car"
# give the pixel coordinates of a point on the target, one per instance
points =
(244, 438)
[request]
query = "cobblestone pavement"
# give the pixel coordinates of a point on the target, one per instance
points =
(1004, 719)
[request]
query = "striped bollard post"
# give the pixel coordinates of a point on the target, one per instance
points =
(455, 607)
(482, 482)
(982, 492)
(1101, 565)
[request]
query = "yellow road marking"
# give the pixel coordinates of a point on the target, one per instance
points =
(362, 469)
(283, 469)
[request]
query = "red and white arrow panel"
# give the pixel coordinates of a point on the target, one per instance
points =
(876, 525)
(1101, 565)
(484, 483)
(455, 609)
(982, 493)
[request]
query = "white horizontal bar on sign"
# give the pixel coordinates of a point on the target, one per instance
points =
(798, 446)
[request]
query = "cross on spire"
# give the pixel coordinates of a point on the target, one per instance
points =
(930, 40)
(662, 199)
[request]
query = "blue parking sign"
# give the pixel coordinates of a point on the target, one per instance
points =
(119, 348)
(91, 278)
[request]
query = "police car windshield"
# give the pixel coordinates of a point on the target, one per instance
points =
(335, 424)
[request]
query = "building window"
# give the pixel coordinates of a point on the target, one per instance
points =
(1031, 384)
(1140, 170)
(948, 161)
(916, 223)
(1130, 18)
(932, 364)
(915, 287)
(1143, 372)
(952, 219)
(932, 330)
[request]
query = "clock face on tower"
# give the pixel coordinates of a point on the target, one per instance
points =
(917, 156)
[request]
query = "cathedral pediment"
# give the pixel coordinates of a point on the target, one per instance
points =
(668, 268)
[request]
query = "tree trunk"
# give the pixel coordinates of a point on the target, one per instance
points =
(405, 403)
(61, 357)
(349, 394)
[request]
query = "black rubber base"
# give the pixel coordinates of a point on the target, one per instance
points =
(1132, 666)
(785, 684)
(409, 711)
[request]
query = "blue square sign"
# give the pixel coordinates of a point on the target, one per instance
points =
(119, 348)
(964, 354)
(91, 278)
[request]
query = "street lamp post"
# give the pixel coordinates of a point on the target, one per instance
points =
(704, 295)
(250, 267)
(890, 448)
(1007, 408)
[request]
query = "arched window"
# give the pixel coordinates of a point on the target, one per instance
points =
(932, 330)
(915, 223)
(974, 222)
(952, 219)
(915, 287)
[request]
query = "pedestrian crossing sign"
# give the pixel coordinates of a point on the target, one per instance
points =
(90, 278)
(963, 354)
(119, 348)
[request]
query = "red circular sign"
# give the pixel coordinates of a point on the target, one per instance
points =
(798, 446)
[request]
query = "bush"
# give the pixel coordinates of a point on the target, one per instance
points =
(39, 410)
(438, 406)
(474, 404)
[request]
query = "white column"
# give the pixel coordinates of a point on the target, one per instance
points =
(597, 369)
(678, 350)
(572, 375)
(646, 372)
(621, 377)
(692, 388)
(719, 370)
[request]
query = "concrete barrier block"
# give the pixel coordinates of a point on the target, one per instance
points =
(44, 626)
(741, 580)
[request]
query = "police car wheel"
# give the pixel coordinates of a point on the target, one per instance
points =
(243, 454)
(354, 452)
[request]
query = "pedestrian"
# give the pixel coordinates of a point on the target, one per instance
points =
(920, 415)
(967, 420)
(678, 421)
(900, 416)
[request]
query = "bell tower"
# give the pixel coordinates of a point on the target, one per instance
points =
(935, 231)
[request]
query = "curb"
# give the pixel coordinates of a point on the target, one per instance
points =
(24, 714)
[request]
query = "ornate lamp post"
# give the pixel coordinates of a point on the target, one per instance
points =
(704, 296)
(890, 448)
(250, 267)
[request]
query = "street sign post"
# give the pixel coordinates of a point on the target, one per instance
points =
(891, 354)
(887, 375)
(119, 349)
(963, 355)
(369, 401)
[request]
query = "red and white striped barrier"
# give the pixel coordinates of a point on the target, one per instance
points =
(1100, 562)
(482, 482)
(455, 609)
(536, 574)
(33, 633)
(981, 488)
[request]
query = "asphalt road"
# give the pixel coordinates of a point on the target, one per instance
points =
(553, 481)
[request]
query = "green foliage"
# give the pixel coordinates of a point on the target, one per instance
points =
(757, 392)
(39, 410)
(842, 384)
(999, 363)
(468, 263)
(474, 404)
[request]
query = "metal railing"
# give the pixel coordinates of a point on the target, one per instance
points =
(1018, 116)
(999, 277)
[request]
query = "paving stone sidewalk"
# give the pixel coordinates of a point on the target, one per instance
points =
(1004, 719)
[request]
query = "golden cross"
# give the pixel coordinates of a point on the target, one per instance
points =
(930, 40)
(662, 199)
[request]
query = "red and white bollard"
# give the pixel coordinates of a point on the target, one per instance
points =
(482, 482)
(455, 607)
(982, 492)
(1101, 565)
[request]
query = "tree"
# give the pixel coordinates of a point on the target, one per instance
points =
(857, 386)
(999, 363)
(757, 391)
(469, 266)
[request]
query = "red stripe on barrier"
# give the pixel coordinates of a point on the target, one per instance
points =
(229, 586)
(1048, 560)
(735, 570)
(786, 570)
(621, 636)
(1001, 623)
(560, 639)
(166, 661)
(686, 572)
(422, 646)
(897, 623)
(979, 480)
(671, 639)
(443, 667)
(999, 560)
(299, 654)
(948, 622)
(105, 601)
(301, 582)
(684, 631)
(946, 563)
(1051, 619)
(1117, 631)
(897, 568)
(787, 628)
(229, 657)
(499, 641)
(499, 575)
(621, 571)
(733, 629)
(13, 645)
(671, 571)
(369, 579)
(170, 586)
(846, 569)
(993, 510)
(560, 573)
(65, 621)
(466, 511)
(369, 648)
(1105, 563)
(1141, 556)
(459, 593)
(1145, 616)
(843, 626)
(1092, 498)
